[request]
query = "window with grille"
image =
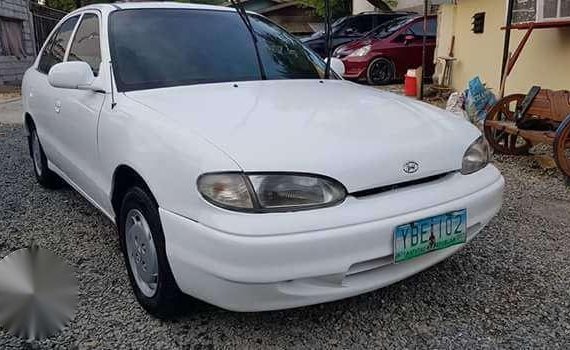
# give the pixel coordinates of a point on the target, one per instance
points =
(548, 10)
(11, 38)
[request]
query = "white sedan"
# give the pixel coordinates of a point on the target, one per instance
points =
(235, 172)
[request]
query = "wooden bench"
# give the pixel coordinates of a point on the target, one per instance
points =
(549, 120)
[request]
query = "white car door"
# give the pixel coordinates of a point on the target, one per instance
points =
(41, 96)
(79, 111)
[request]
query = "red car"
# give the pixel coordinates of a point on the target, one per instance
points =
(388, 51)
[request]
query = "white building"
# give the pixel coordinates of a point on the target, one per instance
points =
(359, 6)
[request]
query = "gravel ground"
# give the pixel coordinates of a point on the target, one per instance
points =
(508, 289)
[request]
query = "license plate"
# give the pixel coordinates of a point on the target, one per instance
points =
(426, 235)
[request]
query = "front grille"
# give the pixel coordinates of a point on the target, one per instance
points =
(373, 191)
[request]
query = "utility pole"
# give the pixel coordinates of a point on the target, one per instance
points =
(426, 5)
(506, 44)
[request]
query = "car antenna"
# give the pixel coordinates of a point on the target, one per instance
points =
(328, 38)
(244, 17)
(113, 102)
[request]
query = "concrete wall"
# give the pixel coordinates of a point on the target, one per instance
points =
(11, 68)
(545, 61)
(411, 5)
(359, 6)
(418, 5)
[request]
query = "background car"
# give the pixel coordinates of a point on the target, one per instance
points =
(387, 52)
(350, 28)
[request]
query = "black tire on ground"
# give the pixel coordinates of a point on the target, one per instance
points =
(165, 303)
(44, 175)
(380, 72)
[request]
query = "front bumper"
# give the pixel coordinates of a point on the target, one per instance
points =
(355, 67)
(256, 273)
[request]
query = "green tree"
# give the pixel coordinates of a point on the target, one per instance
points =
(64, 5)
(339, 8)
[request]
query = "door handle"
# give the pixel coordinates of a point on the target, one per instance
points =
(57, 106)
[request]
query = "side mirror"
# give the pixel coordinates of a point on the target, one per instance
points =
(337, 66)
(71, 75)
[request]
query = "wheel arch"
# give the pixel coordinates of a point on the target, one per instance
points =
(28, 123)
(125, 177)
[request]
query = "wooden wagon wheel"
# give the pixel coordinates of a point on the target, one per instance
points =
(501, 141)
(562, 147)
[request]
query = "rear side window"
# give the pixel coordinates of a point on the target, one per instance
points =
(54, 51)
(85, 45)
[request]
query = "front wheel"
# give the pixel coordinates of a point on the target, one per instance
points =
(143, 246)
(562, 148)
(380, 72)
(44, 175)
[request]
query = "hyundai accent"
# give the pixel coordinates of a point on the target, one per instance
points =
(235, 172)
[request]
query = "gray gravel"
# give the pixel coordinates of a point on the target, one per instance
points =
(508, 289)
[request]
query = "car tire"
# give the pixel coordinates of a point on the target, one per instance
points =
(380, 72)
(45, 177)
(143, 246)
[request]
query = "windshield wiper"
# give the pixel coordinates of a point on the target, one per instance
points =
(243, 15)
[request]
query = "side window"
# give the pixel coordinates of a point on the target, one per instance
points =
(380, 19)
(432, 27)
(348, 26)
(358, 25)
(418, 28)
(85, 45)
(44, 64)
(363, 24)
(55, 49)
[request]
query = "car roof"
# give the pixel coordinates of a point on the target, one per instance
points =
(413, 17)
(150, 5)
(386, 13)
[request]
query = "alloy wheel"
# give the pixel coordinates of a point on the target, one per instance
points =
(380, 72)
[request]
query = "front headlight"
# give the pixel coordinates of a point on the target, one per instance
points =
(476, 157)
(363, 51)
(337, 52)
(268, 192)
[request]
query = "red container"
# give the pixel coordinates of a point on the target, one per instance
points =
(410, 86)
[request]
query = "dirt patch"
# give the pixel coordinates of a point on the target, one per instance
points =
(8, 93)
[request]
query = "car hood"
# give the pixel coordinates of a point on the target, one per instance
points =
(355, 134)
(353, 45)
(346, 49)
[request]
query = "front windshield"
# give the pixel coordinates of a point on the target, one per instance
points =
(388, 28)
(154, 48)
